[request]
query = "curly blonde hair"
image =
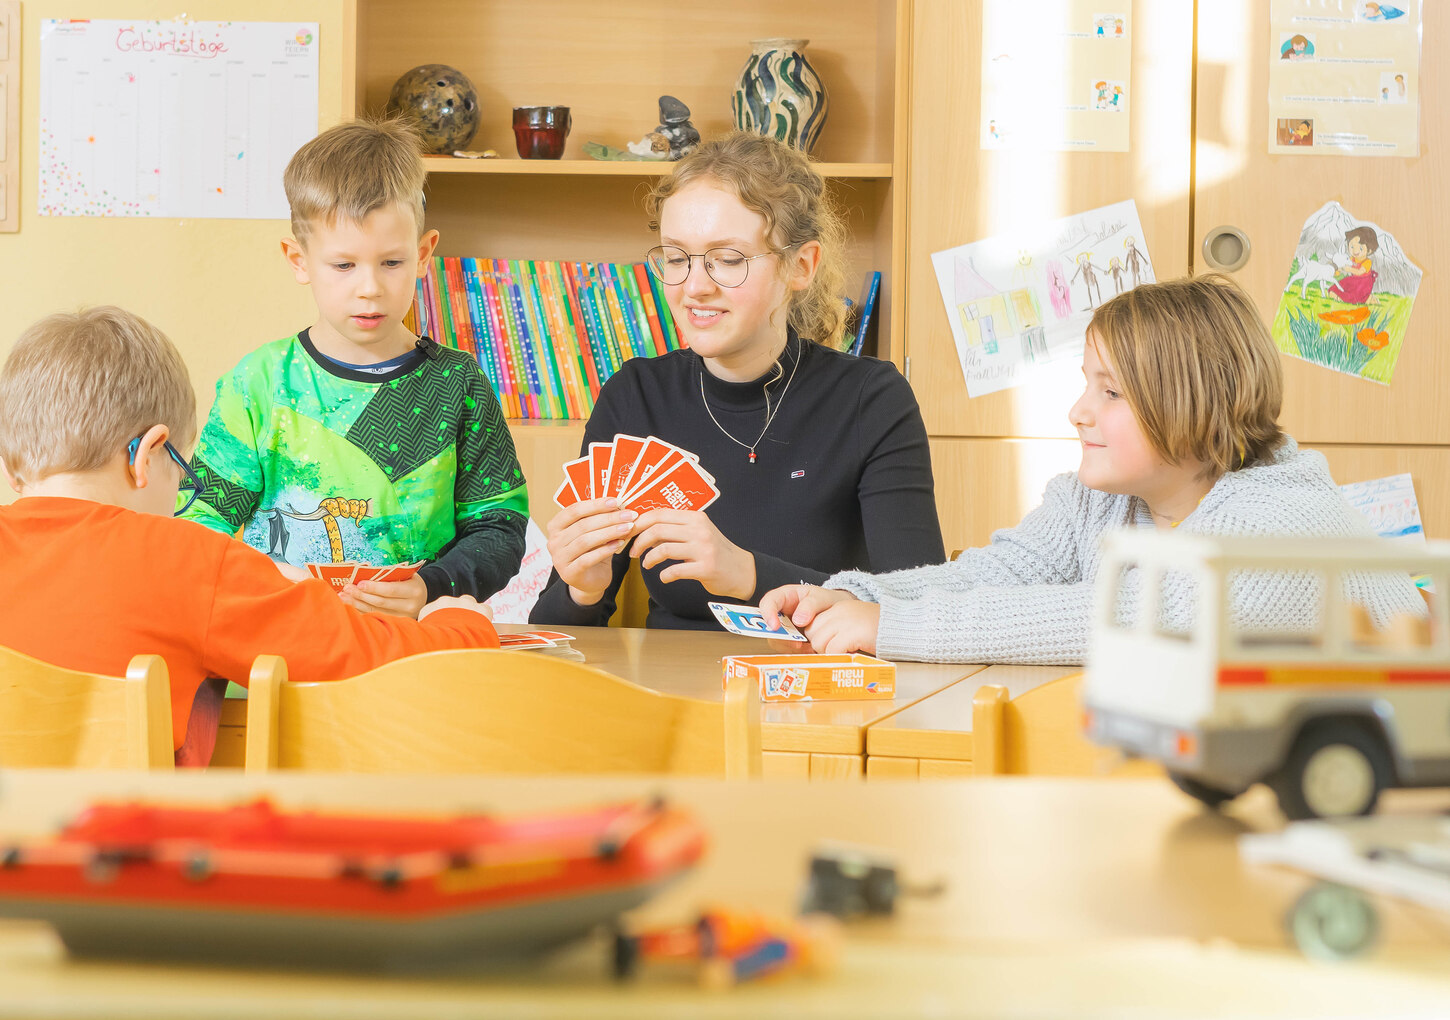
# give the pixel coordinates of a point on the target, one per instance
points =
(779, 183)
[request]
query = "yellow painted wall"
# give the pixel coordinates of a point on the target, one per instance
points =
(217, 287)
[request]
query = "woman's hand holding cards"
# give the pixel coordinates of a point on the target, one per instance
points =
(699, 552)
(583, 540)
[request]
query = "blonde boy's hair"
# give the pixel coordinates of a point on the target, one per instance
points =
(78, 387)
(778, 182)
(1198, 368)
(352, 169)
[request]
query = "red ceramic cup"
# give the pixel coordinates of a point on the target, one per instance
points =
(539, 131)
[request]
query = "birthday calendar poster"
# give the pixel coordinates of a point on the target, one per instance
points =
(173, 118)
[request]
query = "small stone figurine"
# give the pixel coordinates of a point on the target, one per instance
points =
(674, 138)
(676, 127)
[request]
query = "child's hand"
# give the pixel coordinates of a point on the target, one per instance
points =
(702, 553)
(457, 602)
(800, 603)
(290, 572)
(845, 627)
(395, 598)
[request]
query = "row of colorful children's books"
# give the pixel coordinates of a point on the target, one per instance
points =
(547, 334)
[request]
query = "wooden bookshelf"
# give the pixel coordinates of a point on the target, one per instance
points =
(606, 168)
(610, 63)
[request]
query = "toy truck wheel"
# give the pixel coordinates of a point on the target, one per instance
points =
(1210, 796)
(1336, 768)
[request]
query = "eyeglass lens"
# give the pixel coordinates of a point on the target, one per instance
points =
(726, 266)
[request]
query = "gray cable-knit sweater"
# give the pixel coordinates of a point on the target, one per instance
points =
(1027, 597)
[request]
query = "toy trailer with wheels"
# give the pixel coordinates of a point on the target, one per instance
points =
(1327, 716)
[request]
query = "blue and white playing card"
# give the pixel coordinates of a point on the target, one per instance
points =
(750, 622)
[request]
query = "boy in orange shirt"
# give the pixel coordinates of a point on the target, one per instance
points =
(96, 413)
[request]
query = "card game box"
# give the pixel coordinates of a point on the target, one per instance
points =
(816, 677)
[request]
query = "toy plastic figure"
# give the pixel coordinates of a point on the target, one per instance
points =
(732, 946)
(1328, 717)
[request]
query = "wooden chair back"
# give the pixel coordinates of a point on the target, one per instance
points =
(631, 602)
(1040, 733)
(60, 718)
(495, 711)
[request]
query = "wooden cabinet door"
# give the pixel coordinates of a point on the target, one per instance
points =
(1268, 197)
(959, 193)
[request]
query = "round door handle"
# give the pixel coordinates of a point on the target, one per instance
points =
(1226, 249)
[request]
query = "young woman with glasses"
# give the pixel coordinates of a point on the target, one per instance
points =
(821, 458)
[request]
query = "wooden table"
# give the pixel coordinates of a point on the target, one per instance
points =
(1063, 898)
(932, 738)
(819, 740)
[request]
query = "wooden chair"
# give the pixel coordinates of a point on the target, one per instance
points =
(495, 711)
(1040, 734)
(631, 602)
(59, 718)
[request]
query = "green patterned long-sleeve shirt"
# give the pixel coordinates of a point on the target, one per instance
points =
(316, 462)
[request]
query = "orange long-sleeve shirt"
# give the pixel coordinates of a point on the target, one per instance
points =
(89, 585)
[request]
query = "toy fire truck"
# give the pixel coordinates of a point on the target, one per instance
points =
(1328, 716)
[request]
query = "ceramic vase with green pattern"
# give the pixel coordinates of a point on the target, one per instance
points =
(779, 93)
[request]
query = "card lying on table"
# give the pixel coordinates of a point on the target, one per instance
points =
(547, 642)
(750, 622)
(643, 472)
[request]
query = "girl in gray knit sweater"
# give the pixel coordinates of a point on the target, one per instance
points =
(1178, 425)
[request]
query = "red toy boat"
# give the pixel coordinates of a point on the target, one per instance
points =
(252, 884)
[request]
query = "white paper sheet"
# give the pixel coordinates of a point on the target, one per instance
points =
(1018, 302)
(173, 118)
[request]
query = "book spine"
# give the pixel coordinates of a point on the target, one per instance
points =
(563, 283)
(495, 338)
(458, 291)
(868, 309)
(445, 306)
(421, 325)
(622, 276)
(512, 346)
(602, 360)
(555, 388)
(435, 297)
(667, 320)
(483, 341)
(622, 335)
(507, 343)
(566, 344)
(611, 341)
(647, 302)
(534, 389)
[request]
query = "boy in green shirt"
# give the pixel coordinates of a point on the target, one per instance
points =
(355, 440)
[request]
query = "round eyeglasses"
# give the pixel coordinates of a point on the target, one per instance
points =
(726, 266)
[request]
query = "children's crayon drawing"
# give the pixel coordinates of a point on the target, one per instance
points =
(514, 602)
(1390, 506)
(1019, 302)
(1347, 302)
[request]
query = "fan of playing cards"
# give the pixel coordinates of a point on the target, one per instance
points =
(643, 473)
(340, 575)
